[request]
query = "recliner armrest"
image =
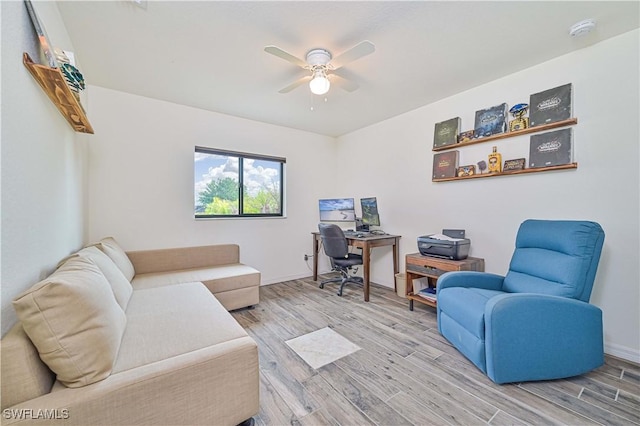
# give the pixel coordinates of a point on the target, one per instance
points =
(484, 280)
(537, 337)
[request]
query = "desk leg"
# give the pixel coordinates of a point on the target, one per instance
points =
(316, 249)
(396, 262)
(366, 263)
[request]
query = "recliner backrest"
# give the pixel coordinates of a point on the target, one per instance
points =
(555, 257)
(333, 240)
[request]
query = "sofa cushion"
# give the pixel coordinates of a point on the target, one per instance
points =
(171, 259)
(119, 284)
(74, 321)
(217, 279)
(168, 321)
(239, 298)
(111, 248)
(24, 375)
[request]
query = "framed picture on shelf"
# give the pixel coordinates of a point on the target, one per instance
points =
(445, 164)
(45, 44)
(491, 121)
(550, 105)
(446, 132)
(551, 149)
(512, 165)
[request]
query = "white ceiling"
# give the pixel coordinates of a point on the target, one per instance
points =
(209, 54)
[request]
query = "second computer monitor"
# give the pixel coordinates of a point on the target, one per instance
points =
(370, 211)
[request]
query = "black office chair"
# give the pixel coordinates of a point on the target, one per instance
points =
(336, 247)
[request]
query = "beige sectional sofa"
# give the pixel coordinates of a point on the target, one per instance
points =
(115, 338)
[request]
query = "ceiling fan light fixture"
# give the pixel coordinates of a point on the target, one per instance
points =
(319, 84)
(318, 62)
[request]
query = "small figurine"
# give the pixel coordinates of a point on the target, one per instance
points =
(482, 166)
(520, 122)
(495, 161)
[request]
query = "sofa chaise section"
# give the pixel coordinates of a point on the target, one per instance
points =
(218, 267)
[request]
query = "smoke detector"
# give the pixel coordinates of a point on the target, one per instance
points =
(581, 28)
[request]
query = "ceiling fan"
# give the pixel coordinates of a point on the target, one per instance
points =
(321, 65)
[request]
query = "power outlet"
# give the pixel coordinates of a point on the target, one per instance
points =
(306, 257)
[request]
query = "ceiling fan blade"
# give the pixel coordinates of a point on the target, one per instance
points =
(276, 51)
(361, 49)
(344, 83)
(295, 84)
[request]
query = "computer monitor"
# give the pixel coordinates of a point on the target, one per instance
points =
(370, 214)
(337, 210)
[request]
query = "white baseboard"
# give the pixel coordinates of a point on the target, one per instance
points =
(623, 352)
(286, 278)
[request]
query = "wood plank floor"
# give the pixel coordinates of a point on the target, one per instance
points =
(406, 373)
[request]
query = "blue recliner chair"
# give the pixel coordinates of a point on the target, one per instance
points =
(536, 322)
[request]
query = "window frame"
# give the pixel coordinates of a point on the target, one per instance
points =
(241, 157)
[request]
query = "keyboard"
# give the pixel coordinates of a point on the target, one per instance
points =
(360, 234)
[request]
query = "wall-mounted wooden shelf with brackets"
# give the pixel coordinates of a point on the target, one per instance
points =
(54, 85)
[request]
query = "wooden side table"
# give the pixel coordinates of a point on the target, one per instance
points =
(418, 266)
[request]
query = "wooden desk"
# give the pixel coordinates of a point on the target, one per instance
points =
(366, 244)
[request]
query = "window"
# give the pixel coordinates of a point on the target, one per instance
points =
(236, 184)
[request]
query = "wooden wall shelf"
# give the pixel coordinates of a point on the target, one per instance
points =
(528, 130)
(536, 129)
(54, 85)
(515, 172)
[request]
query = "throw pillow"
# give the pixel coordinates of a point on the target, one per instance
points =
(74, 321)
(112, 249)
(119, 283)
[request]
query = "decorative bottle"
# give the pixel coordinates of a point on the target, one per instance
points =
(495, 161)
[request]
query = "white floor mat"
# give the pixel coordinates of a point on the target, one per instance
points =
(322, 347)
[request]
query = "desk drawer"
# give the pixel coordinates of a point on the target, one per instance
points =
(425, 270)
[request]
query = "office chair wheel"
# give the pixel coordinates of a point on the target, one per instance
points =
(339, 293)
(321, 285)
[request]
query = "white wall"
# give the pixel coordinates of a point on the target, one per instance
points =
(141, 180)
(43, 163)
(140, 170)
(605, 188)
